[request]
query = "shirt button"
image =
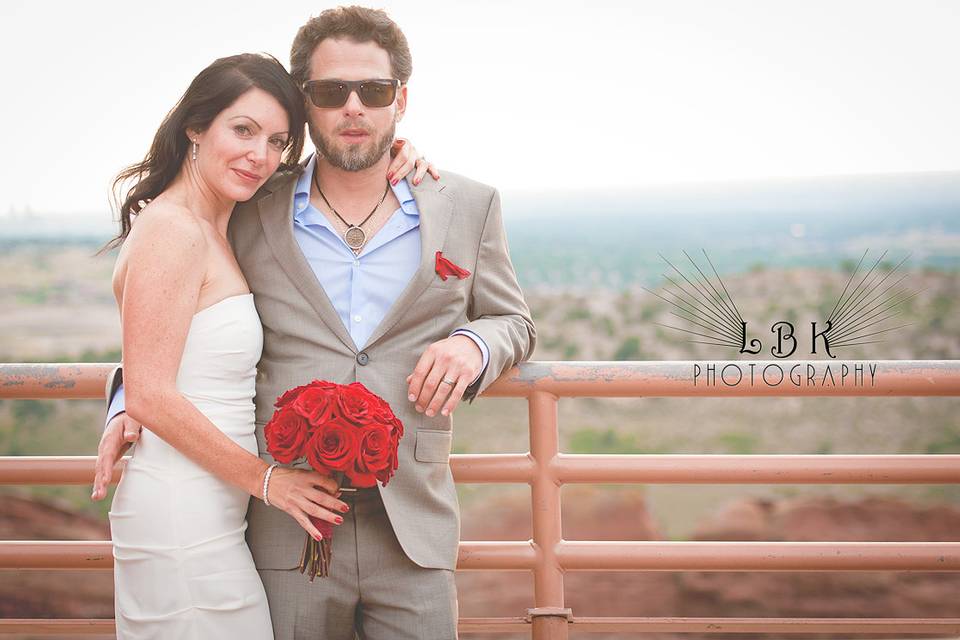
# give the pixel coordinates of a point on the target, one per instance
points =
(357, 318)
(356, 263)
(362, 358)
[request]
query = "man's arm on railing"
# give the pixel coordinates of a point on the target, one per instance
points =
(119, 433)
(498, 313)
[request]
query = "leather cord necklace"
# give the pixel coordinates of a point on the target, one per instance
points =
(354, 236)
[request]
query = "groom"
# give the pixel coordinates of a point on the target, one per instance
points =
(408, 289)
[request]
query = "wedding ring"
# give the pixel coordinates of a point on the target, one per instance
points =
(449, 382)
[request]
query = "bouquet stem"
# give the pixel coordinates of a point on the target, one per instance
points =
(315, 558)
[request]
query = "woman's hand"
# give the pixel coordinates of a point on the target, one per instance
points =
(303, 493)
(405, 159)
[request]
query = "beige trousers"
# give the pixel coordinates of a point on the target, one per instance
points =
(374, 591)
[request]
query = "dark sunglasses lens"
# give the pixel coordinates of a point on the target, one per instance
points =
(328, 94)
(377, 94)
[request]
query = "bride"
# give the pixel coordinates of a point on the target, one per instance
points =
(191, 342)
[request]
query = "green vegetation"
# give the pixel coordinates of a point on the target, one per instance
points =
(53, 427)
(629, 349)
(606, 325)
(825, 448)
(606, 441)
(555, 341)
(570, 351)
(948, 441)
(577, 313)
(738, 442)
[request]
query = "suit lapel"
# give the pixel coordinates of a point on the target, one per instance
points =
(276, 211)
(436, 211)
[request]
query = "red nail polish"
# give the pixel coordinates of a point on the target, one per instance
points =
(394, 182)
(390, 175)
(339, 520)
(345, 508)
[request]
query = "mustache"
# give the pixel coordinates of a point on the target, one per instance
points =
(358, 124)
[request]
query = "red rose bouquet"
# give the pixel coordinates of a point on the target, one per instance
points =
(337, 429)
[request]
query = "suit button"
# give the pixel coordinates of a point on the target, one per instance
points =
(362, 358)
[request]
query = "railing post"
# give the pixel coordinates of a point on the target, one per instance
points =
(549, 618)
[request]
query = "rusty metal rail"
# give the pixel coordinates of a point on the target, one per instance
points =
(596, 379)
(602, 468)
(594, 556)
(548, 556)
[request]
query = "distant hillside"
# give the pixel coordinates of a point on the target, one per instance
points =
(580, 239)
(612, 239)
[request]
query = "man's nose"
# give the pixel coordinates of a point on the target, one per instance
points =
(353, 106)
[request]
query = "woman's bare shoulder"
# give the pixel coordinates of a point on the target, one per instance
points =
(165, 235)
(166, 222)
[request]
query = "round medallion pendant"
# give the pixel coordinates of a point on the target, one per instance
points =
(355, 237)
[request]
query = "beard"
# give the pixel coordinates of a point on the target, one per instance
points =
(353, 157)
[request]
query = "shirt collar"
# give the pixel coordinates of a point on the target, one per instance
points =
(301, 197)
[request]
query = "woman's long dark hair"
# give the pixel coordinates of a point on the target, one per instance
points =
(213, 90)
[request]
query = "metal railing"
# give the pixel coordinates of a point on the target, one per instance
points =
(547, 555)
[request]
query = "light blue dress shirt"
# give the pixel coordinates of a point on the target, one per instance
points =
(361, 287)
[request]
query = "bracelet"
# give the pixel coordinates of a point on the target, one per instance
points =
(266, 482)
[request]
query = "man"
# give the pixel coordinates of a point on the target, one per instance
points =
(408, 289)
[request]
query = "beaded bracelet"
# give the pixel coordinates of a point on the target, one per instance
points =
(266, 482)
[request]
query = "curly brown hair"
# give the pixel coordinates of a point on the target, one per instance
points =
(359, 24)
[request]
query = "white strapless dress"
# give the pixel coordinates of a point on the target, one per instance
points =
(182, 568)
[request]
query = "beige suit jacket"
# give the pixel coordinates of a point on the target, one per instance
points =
(304, 339)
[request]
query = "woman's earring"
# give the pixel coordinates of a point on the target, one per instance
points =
(194, 155)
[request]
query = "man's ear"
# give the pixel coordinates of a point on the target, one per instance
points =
(401, 103)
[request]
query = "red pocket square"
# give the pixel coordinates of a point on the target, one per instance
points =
(445, 268)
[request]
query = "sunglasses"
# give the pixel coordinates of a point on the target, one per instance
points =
(331, 94)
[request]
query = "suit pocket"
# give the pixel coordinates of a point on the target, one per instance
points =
(446, 302)
(433, 445)
(452, 282)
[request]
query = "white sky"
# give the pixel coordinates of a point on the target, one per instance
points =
(529, 96)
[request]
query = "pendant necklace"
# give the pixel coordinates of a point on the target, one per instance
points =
(354, 236)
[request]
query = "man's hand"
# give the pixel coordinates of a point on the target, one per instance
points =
(121, 432)
(443, 373)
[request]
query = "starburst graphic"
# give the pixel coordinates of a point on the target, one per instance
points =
(857, 318)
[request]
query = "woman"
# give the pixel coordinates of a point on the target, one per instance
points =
(191, 342)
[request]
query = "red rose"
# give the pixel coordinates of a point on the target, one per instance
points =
(357, 404)
(289, 396)
(317, 402)
(380, 411)
(333, 446)
(396, 433)
(374, 457)
(285, 434)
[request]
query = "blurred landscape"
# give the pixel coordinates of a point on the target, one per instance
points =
(785, 250)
